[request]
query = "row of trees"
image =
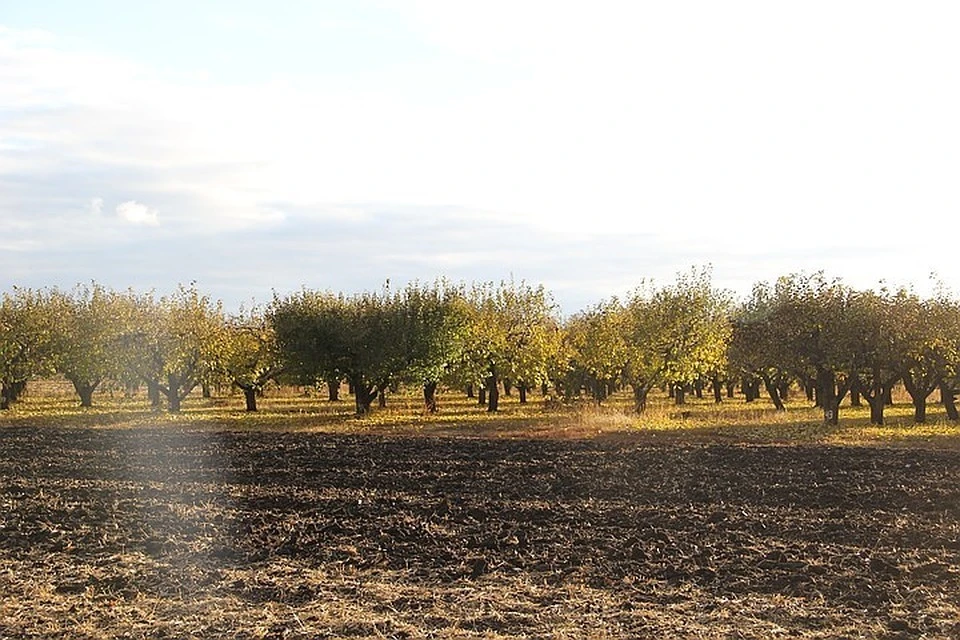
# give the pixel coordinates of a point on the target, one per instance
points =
(684, 337)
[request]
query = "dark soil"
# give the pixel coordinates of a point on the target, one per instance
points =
(179, 533)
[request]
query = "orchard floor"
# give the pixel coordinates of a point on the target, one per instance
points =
(195, 532)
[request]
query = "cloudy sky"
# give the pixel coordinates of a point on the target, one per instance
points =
(259, 146)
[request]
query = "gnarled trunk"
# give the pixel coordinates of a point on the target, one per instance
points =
(363, 394)
(640, 393)
(522, 390)
(948, 396)
(153, 393)
(855, 395)
(430, 397)
(919, 390)
(333, 390)
(250, 397)
(783, 388)
(827, 394)
(85, 390)
(493, 393)
(680, 394)
(773, 391)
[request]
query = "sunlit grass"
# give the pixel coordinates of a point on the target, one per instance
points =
(699, 420)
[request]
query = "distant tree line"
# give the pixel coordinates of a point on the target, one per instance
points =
(687, 337)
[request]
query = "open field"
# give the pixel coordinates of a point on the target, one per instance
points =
(304, 522)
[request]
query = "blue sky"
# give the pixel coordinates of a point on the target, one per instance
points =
(255, 147)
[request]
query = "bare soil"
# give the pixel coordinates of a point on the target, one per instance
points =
(178, 533)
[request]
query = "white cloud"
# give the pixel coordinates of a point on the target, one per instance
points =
(95, 206)
(722, 131)
(136, 213)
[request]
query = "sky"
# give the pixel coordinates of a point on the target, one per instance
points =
(260, 147)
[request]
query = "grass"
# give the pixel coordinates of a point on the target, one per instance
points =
(699, 421)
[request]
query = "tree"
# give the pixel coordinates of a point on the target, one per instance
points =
(173, 342)
(819, 331)
(675, 334)
(512, 333)
(87, 327)
(599, 352)
(879, 344)
(359, 337)
(432, 330)
(932, 352)
(250, 357)
(26, 341)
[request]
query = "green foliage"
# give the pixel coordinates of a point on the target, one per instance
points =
(512, 333)
(249, 355)
(802, 327)
(597, 339)
(372, 339)
(88, 323)
(26, 340)
(676, 334)
(170, 344)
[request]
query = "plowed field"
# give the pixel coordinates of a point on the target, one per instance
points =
(193, 533)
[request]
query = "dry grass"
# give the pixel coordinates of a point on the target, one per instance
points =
(698, 421)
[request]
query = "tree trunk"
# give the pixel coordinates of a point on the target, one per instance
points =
(493, 393)
(598, 389)
(679, 394)
(640, 398)
(698, 389)
(205, 390)
(430, 397)
(918, 395)
(85, 391)
(827, 393)
(522, 389)
(717, 390)
(855, 395)
(774, 392)
(888, 394)
(731, 389)
(364, 395)
(949, 399)
(382, 398)
(874, 395)
(174, 399)
(876, 408)
(333, 390)
(250, 396)
(783, 388)
(507, 387)
(153, 392)
(920, 410)
(4, 396)
(173, 402)
(482, 396)
(470, 393)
